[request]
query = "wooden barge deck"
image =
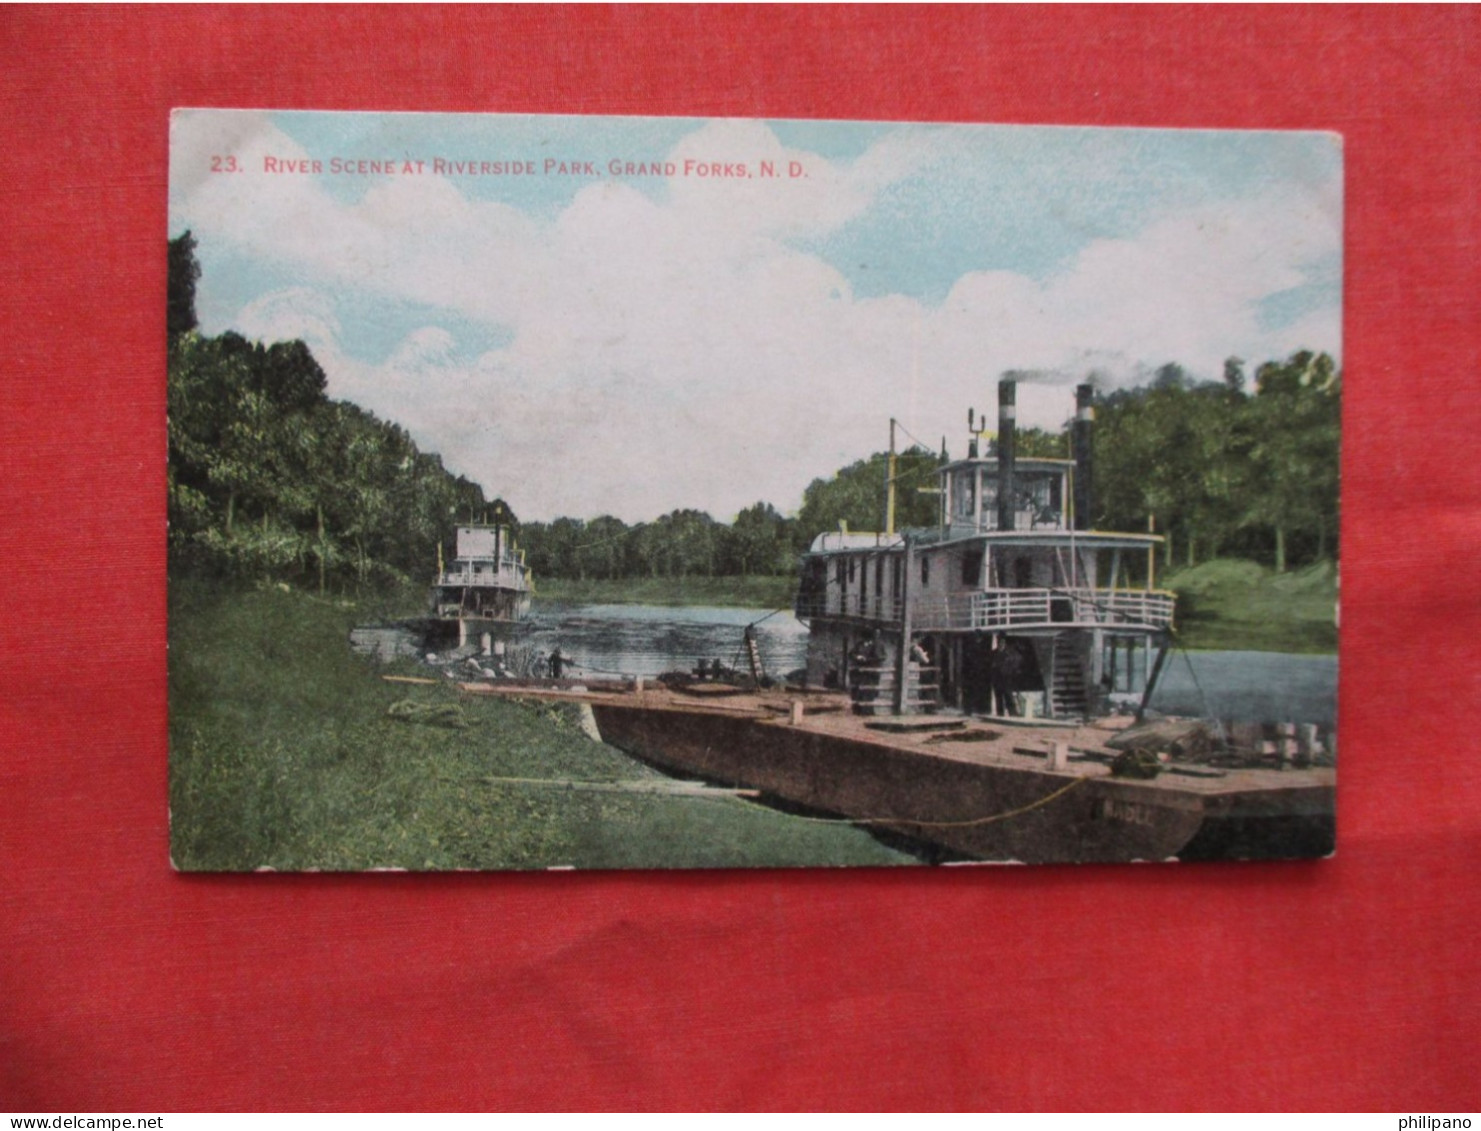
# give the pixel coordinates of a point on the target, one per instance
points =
(987, 789)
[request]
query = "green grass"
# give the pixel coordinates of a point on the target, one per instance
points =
(1227, 603)
(286, 753)
(754, 591)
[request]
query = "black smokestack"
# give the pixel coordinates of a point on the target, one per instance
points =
(1080, 446)
(1007, 449)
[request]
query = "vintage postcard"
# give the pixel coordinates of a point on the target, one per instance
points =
(558, 492)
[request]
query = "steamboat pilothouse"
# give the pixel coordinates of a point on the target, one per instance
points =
(1010, 606)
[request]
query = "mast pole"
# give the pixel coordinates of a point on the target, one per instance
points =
(889, 494)
(1151, 553)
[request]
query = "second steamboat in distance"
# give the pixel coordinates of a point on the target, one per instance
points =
(482, 596)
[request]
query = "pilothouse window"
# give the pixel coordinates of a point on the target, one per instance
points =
(964, 496)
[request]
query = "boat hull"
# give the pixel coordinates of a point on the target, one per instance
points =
(972, 808)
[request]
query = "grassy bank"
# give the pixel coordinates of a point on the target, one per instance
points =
(1241, 605)
(753, 591)
(287, 751)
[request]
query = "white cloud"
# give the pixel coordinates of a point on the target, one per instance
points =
(681, 352)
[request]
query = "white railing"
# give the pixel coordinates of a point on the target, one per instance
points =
(1005, 608)
(507, 578)
(1012, 608)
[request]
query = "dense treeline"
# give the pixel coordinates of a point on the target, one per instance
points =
(1226, 472)
(684, 543)
(1221, 470)
(270, 478)
(760, 541)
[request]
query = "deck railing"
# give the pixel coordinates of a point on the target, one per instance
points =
(509, 577)
(1001, 609)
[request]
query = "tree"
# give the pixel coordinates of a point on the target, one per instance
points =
(602, 551)
(856, 495)
(266, 474)
(1294, 426)
(759, 541)
(1169, 451)
(184, 272)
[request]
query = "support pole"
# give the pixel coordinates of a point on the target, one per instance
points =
(1153, 676)
(902, 668)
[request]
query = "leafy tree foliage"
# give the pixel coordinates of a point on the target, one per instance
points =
(855, 496)
(184, 272)
(1224, 471)
(760, 540)
(270, 478)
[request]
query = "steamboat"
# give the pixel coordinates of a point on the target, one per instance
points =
(483, 595)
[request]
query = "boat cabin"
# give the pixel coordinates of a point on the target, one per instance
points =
(1011, 605)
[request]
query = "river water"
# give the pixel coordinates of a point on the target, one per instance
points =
(647, 640)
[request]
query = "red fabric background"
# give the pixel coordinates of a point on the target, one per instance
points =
(1350, 983)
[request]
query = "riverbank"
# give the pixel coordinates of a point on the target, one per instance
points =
(289, 752)
(1234, 605)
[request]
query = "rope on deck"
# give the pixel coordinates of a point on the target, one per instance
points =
(659, 787)
(1045, 800)
(718, 793)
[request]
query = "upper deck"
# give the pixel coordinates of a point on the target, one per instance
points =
(1012, 549)
(486, 558)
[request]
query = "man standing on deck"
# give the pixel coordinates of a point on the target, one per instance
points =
(1006, 668)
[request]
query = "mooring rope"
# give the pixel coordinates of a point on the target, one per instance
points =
(722, 793)
(1045, 800)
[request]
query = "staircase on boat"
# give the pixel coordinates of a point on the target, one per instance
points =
(872, 689)
(1067, 689)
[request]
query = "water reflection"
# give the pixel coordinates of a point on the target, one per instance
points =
(648, 640)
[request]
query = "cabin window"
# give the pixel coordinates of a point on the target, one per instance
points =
(925, 571)
(851, 571)
(878, 577)
(963, 495)
(1042, 497)
(990, 503)
(972, 568)
(840, 571)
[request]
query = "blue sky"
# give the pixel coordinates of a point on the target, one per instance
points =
(710, 341)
